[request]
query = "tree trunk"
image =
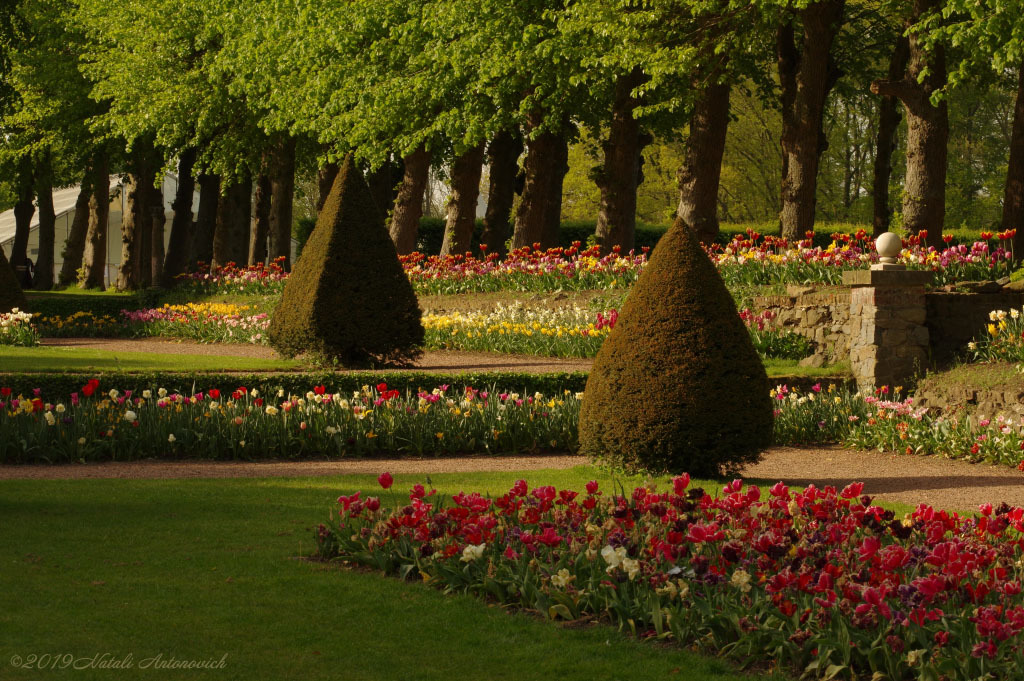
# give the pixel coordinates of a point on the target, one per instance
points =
(23, 212)
(43, 280)
(282, 191)
(806, 76)
(133, 221)
(74, 247)
(405, 217)
(1013, 195)
(620, 174)
(503, 166)
(924, 193)
(145, 165)
(701, 173)
(206, 219)
(325, 180)
(234, 213)
(458, 230)
(384, 183)
(885, 142)
(539, 214)
(180, 245)
(553, 214)
(158, 220)
(144, 232)
(95, 257)
(260, 220)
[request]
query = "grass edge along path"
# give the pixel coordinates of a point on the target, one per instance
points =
(54, 359)
(200, 569)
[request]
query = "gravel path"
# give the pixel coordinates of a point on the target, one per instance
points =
(438, 361)
(893, 477)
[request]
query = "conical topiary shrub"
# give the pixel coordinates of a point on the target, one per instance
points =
(347, 297)
(677, 386)
(11, 295)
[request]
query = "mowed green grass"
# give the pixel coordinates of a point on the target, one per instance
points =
(199, 569)
(55, 359)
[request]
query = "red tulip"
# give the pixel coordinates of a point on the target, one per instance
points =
(852, 491)
(385, 480)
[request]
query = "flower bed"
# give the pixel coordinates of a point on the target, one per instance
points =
(91, 424)
(820, 581)
(748, 260)
(515, 329)
(572, 332)
(81, 324)
(894, 424)
(525, 269)
(230, 278)
(1003, 340)
(770, 341)
(16, 328)
(200, 322)
(755, 260)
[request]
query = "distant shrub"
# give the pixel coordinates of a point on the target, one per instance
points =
(348, 298)
(11, 295)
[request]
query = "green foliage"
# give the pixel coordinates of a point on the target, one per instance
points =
(677, 386)
(348, 297)
(160, 68)
(300, 232)
(11, 295)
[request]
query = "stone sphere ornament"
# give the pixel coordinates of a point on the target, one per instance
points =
(888, 246)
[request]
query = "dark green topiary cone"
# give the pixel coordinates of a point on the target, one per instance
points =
(348, 298)
(677, 386)
(11, 295)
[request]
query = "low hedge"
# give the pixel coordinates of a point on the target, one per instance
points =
(55, 386)
(62, 304)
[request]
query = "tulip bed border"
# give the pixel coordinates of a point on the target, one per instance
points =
(821, 582)
(65, 383)
(298, 382)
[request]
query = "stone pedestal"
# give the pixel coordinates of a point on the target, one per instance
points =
(888, 337)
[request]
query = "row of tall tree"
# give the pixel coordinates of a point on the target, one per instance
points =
(236, 96)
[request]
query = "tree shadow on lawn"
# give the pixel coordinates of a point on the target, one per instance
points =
(947, 491)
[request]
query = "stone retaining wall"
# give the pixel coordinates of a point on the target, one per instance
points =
(1003, 398)
(823, 316)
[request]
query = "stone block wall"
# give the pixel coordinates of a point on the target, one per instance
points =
(823, 316)
(888, 339)
(820, 316)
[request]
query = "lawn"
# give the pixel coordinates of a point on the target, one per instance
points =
(199, 569)
(791, 367)
(56, 359)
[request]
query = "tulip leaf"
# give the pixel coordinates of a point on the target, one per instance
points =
(559, 610)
